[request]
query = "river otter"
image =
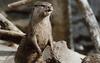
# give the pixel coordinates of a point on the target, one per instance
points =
(39, 34)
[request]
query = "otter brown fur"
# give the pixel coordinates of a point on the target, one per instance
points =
(39, 34)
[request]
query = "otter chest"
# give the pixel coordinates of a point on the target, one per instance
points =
(43, 33)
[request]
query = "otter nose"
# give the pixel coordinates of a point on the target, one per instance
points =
(49, 9)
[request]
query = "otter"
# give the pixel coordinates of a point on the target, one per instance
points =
(38, 36)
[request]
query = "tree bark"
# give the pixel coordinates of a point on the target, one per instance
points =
(91, 22)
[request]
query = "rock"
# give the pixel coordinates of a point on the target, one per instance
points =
(93, 58)
(6, 52)
(61, 54)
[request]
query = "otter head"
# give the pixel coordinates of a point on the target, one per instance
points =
(42, 9)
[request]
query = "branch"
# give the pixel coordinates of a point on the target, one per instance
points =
(9, 25)
(19, 3)
(11, 32)
(91, 22)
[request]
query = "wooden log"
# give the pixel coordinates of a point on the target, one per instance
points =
(11, 32)
(9, 24)
(91, 22)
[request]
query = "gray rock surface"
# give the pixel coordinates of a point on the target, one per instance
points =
(65, 55)
(6, 52)
(61, 53)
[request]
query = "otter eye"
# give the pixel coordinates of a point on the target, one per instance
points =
(35, 5)
(43, 5)
(40, 5)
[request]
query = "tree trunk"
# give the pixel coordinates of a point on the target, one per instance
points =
(91, 22)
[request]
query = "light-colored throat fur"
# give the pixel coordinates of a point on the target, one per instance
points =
(41, 29)
(39, 24)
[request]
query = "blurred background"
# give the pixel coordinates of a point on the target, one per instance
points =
(67, 21)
